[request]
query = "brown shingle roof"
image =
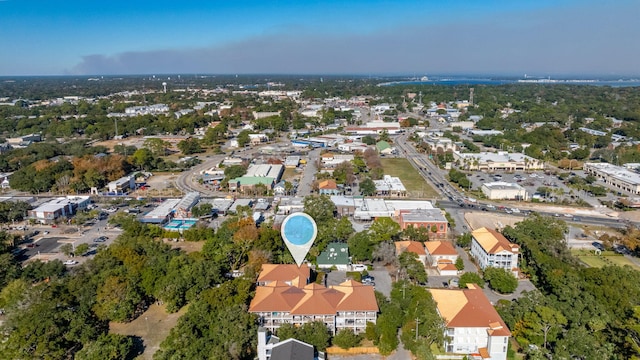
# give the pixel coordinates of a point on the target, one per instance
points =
(440, 248)
(469, 308)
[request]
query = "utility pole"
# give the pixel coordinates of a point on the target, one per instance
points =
(417, 322)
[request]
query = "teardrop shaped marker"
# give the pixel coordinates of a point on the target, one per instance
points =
(299, 230)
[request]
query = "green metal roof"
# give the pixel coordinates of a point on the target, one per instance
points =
(382, 145)
(254, 180)
(334, 254)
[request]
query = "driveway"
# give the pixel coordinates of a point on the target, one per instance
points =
(523, 285)
(382, 280)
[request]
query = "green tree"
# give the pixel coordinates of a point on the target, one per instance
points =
(203, 209)
(459, 264)
(234, 171)
(367, 187)
(157, 146)
(384, 229)
(82, 249)
(142, 158)
(243, 138)
(413, 267)
(315, 333)
(107, 347)
(464, 240)
(346, 339)
(360, 247)
(319, 207)
(190, 146)
(500, 280)
(470, 278)
(66, 249)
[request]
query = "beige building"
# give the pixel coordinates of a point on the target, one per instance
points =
(349, 305)
(501, 190)
(442, 255)
(492, 249)
(494, 161)
(473, 327)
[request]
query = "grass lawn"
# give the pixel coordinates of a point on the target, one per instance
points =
(606, 258)
(416, 186)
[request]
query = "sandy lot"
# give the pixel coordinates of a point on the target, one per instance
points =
(478, 219)
(152, 326)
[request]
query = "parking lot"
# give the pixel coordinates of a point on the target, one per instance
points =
(381, 276)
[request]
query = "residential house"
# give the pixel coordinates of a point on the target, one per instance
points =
(328, 187)
(473, 327)
(279, 189)
(335, 255)
(271, 348)
(442, 255)
(415, 247)
(492, 249)
(384, 148)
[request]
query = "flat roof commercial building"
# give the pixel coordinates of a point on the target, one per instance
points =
(501, 160)
(616, 177)
(501, 190)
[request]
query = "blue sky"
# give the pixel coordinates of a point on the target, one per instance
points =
(541, 37)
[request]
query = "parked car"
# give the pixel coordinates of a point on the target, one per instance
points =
(70, 262)
(100, 239)
(598, 245)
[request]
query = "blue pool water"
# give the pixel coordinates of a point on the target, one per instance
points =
(177, 225)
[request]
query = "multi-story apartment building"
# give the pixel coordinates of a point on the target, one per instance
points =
(473, 327)
(349, 305)
(492, 249)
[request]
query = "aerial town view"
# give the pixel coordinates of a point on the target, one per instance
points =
(320, 180)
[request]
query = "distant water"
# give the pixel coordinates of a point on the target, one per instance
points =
(463, 81)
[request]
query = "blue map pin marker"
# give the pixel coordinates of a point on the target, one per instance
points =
(299, 230)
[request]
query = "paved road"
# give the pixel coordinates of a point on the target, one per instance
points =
(187, 181)
(305, 187)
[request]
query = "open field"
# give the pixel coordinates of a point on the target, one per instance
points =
(416, 186)
(152, 327)
(606, 258)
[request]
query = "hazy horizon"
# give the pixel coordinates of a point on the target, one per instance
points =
(379, 38)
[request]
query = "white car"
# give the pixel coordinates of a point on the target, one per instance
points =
(70, 262)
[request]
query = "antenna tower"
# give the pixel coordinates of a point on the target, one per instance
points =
(471, 96)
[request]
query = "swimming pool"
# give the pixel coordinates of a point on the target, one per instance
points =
(179, 225)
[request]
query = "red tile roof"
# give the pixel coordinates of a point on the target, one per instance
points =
(440, 248)
(415, 247)
(290, 273)
(469, 308)
(314, 299)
